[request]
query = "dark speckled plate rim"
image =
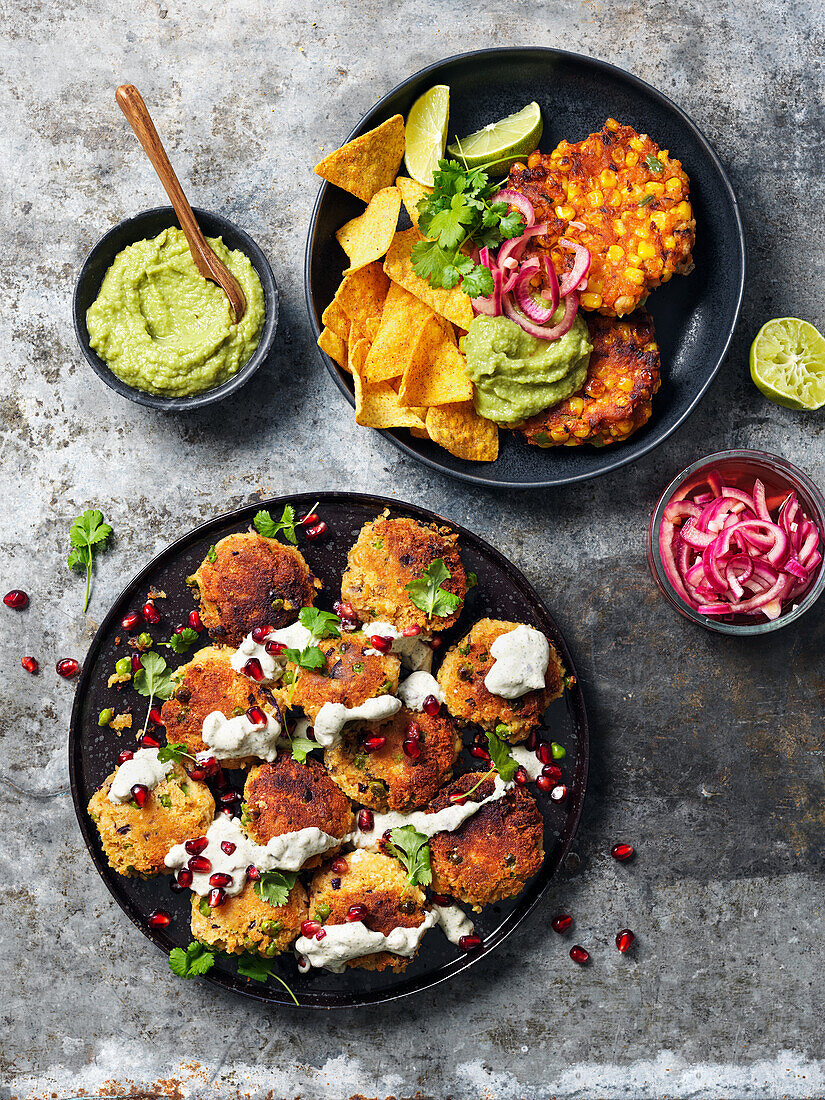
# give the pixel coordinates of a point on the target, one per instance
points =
(369, 119)
(527, 900)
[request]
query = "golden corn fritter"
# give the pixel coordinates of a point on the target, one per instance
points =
(632, 200)
(617, 396)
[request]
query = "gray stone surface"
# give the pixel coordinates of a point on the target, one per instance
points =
(707, 753)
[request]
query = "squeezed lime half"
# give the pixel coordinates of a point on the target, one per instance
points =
(787, 363)
(501, 143)
(426, 133)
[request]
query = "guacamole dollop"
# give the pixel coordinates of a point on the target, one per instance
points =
(516, 375)
(163, 328)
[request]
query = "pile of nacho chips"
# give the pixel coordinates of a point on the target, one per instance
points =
(395, 334)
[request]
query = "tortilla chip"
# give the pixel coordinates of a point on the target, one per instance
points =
(367, 238)
(335, 347)
(461, 431)
(437, 374)
(361, 295)
(402, 320)
(336, 320)
(452, 304)
(376, 403)
(369, 163)
(420, 433)
(412, 192)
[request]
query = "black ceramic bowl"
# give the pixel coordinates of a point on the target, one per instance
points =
(695, 315)
(145, 226)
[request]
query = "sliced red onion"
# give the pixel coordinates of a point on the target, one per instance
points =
(551, 291)
(521, 202)
(578, 225)
(530, 266)
(581, 265)
(541, 314)
(516, 245)
(571, 305)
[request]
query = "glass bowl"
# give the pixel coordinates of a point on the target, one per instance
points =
(741, 468)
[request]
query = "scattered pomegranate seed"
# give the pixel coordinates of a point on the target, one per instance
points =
(411, 748)
(383, 645)
(561, 923)
(155, 716)
(275, 648)
(150, 612)
(140, 793)
(136, 662)
(521, 777)
(17, 599)
(220, 778)
(532, 741)
(195, 621)
(195, 846)
(228, 797)
(545, 753)
(253, 669)
(479, 753)
(321, 935)
(344, 610)
(30, 665)
(217, 897)
(374, 742)
(624, 940)
(220, 878)
(200, 864)
(340, 866)
(147, 741)
(436, 643)
(316, 532)
(431, 706)
(228, 811)
(185, 877)
(179, 629)
(413, 731)
(544, 783)
(356, 912)
(131, 620)
(559, 793)
(159, 919)
(552, 771)
(257, 717)
(411, 631)
(442, 899)
(67, 667)
(308, 520)
(469, 943)
(622, 852)
(209, 765)
(252, 872)
(228, 847)
(125, 755)
(175, 886)
(366, 820)
(197, 773)
(458, 798)
(310, 927)
(579, 955)
(261, 632)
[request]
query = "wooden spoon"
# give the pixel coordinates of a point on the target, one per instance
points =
(208, 264)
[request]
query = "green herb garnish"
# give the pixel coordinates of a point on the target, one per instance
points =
(501, 753)
(654, 164)
(211, 554)
(301, 747)
(176, 751)
(153, 680)
(274, 886)
(472, 580)
(428, 595)
(268, 527)
(646, 200)
(320, 624)
(88, 536)
(413, 849)
(192, 961)
(183, 642)
(259, 969)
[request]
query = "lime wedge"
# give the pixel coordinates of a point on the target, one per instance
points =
(788, 363)
(426, 133)
(501, 143)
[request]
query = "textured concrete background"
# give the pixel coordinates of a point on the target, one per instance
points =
(707, 753)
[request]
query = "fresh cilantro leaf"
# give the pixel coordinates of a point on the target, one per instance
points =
(430, 261)
(428, 595)
(501, 754)
(301, 746)
(478, 283)
(176, 751)
(274, 886)
(153, 680)
(89, 535)
(321, 624)
(413, 849)
(254, 967)
(309, 658)
(266, 525)
(192, 961)
(447, 226)
(472, 580)
(183, 642)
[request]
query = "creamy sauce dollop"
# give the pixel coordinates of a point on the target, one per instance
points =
(344, 942)
(454, 922)
(295, 636)
(144, 768)
(414, 652)
(232, 738)
(528, 760)
(520, 659)
(414, 690)
(332, 717)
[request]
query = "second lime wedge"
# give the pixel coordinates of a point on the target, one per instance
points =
(788, 363)
(503, 142)
(426, 133)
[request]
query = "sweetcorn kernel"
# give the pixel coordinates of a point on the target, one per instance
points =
(582, 431)
(566, 213)
(674, 185)
(595, 198)
(646, 250)
(615, 253)
(607, 178)
(684, 211)
(637, 144)
(591, 301)
(576, 406)
(659, 219)
(635, 275)
(623, 305)
(655, 188)
(631, 159)
(558, 434)
(625, 385)
(669, 242)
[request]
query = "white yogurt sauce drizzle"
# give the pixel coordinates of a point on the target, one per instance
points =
(454, 922)
(332, 717)
(520, 659)
(414, 690)
(144, 768)
(234, 738)
(272, 665)
(414, 652)
(344, 942)
(527, 760)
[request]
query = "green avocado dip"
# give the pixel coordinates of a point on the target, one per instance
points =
(163, 328)
(516, 375)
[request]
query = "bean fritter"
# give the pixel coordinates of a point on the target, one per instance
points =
(352, 674)
(246, 922)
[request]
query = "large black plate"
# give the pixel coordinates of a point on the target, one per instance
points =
(502, 592)
(695, 316)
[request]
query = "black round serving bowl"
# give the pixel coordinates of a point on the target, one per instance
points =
(144, 226)
(695, 316)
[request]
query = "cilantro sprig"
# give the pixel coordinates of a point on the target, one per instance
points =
(413, 849)
(458, 213)
(320, 624)
(183, 642)
(259, 969)
(153, 681)
(270, 528)
(89, 535)
(175, 751)
(501, 753)
(274, 886)
(301, 747)
(428, 595)
(192, 961)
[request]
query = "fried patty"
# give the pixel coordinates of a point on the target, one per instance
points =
(378, 882)
(495, 852)
(388, 554)
(351, 675)
(461, 677)
(388, 779)
(617, 396)
(251, 581)
(248, 923)
(209, 682)
(286, 796)
(136, 839)
(632, 199)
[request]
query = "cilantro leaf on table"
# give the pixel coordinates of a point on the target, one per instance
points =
(153, 680)
(269, 528)
(428, 595)
(501, 754)
(274, 886)
(413, 849)
(89, 535)
(183, 642)
(259, 969)
(191, 962)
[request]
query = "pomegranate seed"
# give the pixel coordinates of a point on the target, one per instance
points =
(317, 531)
(321, 935)
(579, 955)
(544, 783)
(127, 754)
(195, 846)
(413, 731)
(253, 669)
(561, 923)
(159, 919)
(310, 927)
(412, 749)
(155, 716)
(200, 864)
(175, 886)
(209, 765)
(216, 897)
(411, 631)
(340, 866)
(479, 753)
(275, 648)
(150, 612)
(344, 610)
(521, 777)
(228, 847)
(624, 940)
(67, 667)
(436, 643)
(131, 620)
(622, 852)
(469, 943)
(185, 877)
(136, 662)
(383, 645)
(228, 797)
(366, 820)
(545, 753)
(559, 793)
(532, 741)
(220, 778)
(179, 629)
(356, 912)
(459, 798)
(140, 793)
(195, 621)
(431, 706)
(257, 717)
(227, 811)
(261, 632)
(442, 899)
(147, 741)
(252, 872)
(16, 599)
(197, 773)
(220, 878)
(374, 743)
(308, 520)
(552, 771)
(30, 665)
